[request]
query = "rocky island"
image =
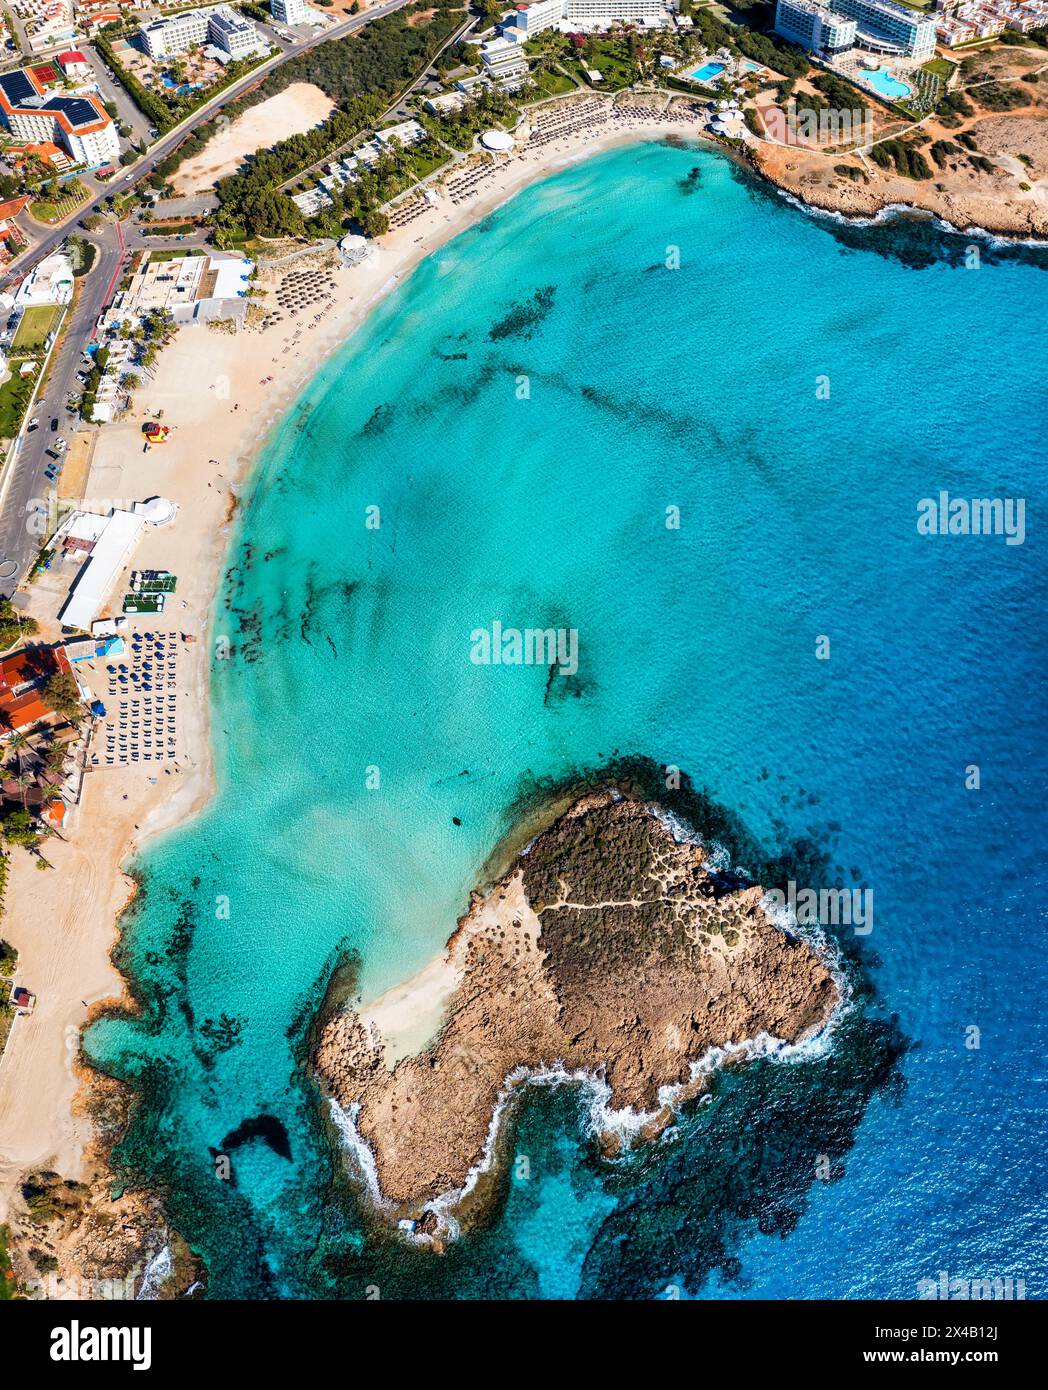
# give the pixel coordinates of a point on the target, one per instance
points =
(612, 949)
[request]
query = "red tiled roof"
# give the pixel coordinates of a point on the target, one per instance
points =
(72, 55)
(12, 207)
(59, 116)
(31, 664)
(24, 710)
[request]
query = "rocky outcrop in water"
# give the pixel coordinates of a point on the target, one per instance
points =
(611, 948)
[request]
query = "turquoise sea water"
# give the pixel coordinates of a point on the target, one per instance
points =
(523, 412)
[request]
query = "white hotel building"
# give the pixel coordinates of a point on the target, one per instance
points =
(879, 26)
(814, 26)
(532, 19)
(289, 11)
(78, 121)
(220, 25)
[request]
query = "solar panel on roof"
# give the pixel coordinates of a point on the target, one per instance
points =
(16, 87)
(76, 109)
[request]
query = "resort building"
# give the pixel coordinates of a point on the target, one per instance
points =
(504, 62)
(77, 122)
(444, 103)
(532, 19)
(107, 543)
(49, 24)
(177, 34)
(230, 32)
(22, 675)
(406, 133)
(289, 11)
(49, 282)
(192, 288)
(814, 26)
(879, 26)
(225, 29)
(962, 21)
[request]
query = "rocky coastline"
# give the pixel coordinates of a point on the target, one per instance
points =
(612, 950)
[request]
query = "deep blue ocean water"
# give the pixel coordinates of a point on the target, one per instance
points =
(523, 412)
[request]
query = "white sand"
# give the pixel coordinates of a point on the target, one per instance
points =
(410, 1014)
(293, 111)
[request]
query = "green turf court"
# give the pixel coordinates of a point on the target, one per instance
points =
(37, 323)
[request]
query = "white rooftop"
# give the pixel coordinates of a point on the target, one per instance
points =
(115, 537)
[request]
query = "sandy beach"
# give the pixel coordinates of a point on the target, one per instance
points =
(221, 394)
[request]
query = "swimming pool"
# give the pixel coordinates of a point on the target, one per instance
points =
(750, 66)
(173, 86)
(882, 82)
(707, 72)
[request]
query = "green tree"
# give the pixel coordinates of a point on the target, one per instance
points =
(20, 829)
(63, 695)
(13, 627)
(375, 222)
(273, 214)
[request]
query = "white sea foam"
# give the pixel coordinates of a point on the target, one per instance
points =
(345, 1121)
(157, 1270)
(895, 211)
(625, 1124)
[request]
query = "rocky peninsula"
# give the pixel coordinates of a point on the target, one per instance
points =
(612, 948)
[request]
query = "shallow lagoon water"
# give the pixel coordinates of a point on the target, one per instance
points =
(523, 412)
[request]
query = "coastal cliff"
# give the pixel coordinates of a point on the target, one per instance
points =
(611, 949)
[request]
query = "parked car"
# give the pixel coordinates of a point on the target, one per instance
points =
(54, 424)
(61, 446)
(33, 425)
(34, 422)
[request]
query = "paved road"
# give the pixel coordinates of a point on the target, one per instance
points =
(169, 142)
(24, 491)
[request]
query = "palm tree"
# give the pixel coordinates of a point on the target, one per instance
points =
(25, 780)
(55, 757)
(17, 743)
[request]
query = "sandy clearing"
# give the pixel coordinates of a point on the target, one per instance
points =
(293, 111)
